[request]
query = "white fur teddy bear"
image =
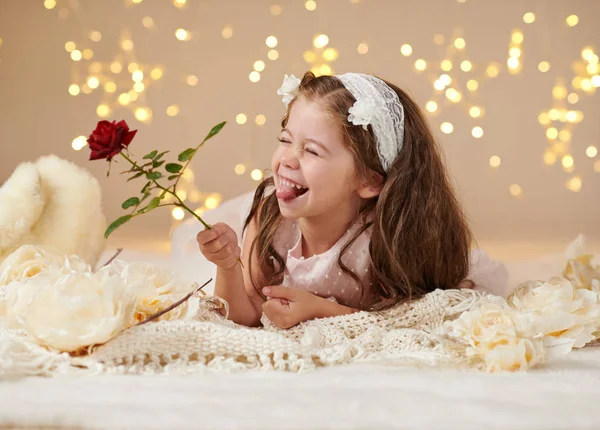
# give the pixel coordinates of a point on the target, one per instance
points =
(53, 204)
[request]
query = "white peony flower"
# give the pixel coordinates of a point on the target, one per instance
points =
(516, 354)
(567, 316)
(70, 311)
(289, 89)
(29, 260)
(580, 268)
(362, 112)
(159, 288)
(582, 272)
(499, 336)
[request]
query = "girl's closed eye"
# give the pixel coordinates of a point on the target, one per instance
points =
(311, 151)
(305, 149)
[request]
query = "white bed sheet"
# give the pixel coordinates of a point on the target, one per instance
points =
(564, 395)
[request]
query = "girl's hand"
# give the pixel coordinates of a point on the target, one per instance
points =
(287, 307)
(220, 246)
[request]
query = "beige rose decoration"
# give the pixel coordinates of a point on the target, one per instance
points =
(65, 306)
(160, 288)
(580, 268)
(68, 312)
(31, 260)
(567, 317)
(498, 336)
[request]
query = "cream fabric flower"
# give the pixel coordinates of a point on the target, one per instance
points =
(582, 272)
(68, 312)
(29, 260)
(159, 288)
(362, 112)
(567, 316)
(516, 354)
(497, 335)
(580, 268)
(289, 89)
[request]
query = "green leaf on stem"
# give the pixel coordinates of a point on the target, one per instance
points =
(150, 155)
(186, 155)
(217, 128)
(144, 197)
(131, 201)
(173, 167)
(116, 224)
(159, 156)
(153, 176)
(156, 164)
(146, 187)
(170, 178)
(137, 175)
(153, 203)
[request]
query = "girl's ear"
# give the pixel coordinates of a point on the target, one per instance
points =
(371, 186)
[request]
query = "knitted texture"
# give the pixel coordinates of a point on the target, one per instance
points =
(407, 334)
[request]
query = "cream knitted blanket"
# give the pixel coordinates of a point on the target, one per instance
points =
(409, 333)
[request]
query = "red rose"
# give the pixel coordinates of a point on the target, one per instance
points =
(109, 139)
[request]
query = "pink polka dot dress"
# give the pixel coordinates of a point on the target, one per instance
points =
(321, 275)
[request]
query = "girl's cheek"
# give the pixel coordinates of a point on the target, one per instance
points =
(276, 157)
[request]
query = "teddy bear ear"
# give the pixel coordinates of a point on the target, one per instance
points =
(73, 221)
(21, 204)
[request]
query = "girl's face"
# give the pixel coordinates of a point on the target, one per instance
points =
(314, 172)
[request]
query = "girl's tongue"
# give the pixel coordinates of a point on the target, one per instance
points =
(286, 192)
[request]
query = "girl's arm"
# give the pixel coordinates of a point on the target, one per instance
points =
(230, 286)
(220, 246)
(234, 285)
(250, 292)
(325, 308)
(287, 307)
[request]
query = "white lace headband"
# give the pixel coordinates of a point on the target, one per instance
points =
(376, 104)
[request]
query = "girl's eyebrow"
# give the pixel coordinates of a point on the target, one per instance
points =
(309, 139)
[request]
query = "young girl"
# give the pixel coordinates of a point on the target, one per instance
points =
(358, 215)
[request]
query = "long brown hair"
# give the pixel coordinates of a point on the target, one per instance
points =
(420, 239)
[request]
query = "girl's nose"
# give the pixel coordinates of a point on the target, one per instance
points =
(290, 158)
